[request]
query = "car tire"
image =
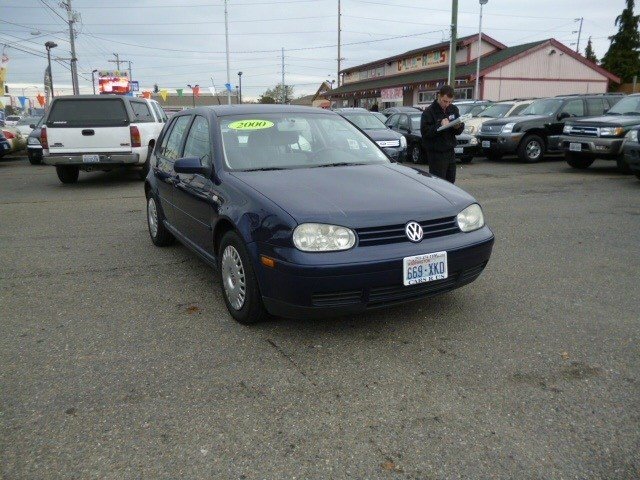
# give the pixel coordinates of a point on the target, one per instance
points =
(578, 161)
(145, 167)
(67, 173)
(238, 281)
(466, 159)
(416, 155)
(531, 149)
(160, 235)
(34, 159)
(623, 167)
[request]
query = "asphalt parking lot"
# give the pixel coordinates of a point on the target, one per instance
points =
(119, 360)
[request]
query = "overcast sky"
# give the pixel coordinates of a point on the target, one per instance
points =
(174, 43)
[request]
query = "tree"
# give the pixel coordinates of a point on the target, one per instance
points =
(589, 53)
(275, 94)
(623, 56)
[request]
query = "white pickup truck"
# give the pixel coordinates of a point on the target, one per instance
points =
(100, 132)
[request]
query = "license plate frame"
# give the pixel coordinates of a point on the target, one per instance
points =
(411, 268)
(458, 150)
(91, 158)
(575, 147)
(486, 144)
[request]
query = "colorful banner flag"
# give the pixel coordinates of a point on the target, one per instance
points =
(146, 94)
(23, 101)
(179, 90)
(41, 99)
(196, 91)
(164, 94)
(213, 91)
(228, 86)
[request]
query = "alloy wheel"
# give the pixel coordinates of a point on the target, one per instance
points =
(233, 277)
(534, 149)
(152, 217)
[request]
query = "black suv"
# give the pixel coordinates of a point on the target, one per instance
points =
(601, 137)
(538, 129)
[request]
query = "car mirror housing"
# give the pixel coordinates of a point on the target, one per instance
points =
(190, 165)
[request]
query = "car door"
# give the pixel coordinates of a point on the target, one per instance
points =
(166, 153)
(194, 194)
(573, 108)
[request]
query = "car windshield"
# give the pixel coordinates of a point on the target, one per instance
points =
(365, 121)
(465, 108)
(547, 107)
(626, 106)
(279, 141)
(415, 122)
(498, 110)
(29, 121)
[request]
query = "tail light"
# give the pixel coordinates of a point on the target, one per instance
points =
(43, 138)
(135, 136)
(8, 135)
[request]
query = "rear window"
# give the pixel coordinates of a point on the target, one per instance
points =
(141, 112)
(88, 113)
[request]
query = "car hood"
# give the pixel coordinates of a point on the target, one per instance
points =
(608, 121)
(382, 135)
(520, 119)
(359, 196)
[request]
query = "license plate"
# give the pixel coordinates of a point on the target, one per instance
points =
(458, 150)
(90, 158)
(486, 144)
(425, 268)
(575, 147)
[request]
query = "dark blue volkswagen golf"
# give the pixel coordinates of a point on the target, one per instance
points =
(303, 215)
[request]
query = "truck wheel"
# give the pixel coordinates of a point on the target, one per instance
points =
(238, 281)
(531, 149)
(415, 154)
(34, 159)
(67, 173)
(160, 236)
(577, 161)
(623, 167)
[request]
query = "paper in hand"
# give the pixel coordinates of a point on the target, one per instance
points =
(455, 122)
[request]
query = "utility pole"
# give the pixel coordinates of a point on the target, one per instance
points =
(339, 33)
(130, 62)
(284, 88)
(226, 36)
(116, 61)
(476, 93)
(71, 16)
(454, 41)
(581, 19)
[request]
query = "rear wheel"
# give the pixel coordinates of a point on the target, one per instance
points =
(415, 154)
(623, 167)
(531, 149)
(238, 281)
(578, 161)
(34, 159)
(160, 236)
(67, 173)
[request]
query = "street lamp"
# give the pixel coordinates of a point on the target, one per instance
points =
(93, 82)
(239, 87)
(49, 45)
(477, 90)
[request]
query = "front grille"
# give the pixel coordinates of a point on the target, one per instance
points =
(399, 293)
(491, 128)
(396, 234)
(584, 131)
(461, 141)
(336, 299)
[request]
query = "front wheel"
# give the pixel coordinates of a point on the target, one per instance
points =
(531, 149)
(238, 281)
(415, 154)
(577, 161)
(67, 173)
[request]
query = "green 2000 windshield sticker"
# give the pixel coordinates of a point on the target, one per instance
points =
(250, 124)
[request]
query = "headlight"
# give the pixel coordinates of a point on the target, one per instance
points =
(33, 141)
(403, 141)
(566, 129)
(471, 218)
(632, 136)
(473, 141)
(508, 128)
(319, 237)
(611, 131)
(470, 129)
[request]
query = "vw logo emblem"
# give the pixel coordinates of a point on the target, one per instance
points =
(414, 231)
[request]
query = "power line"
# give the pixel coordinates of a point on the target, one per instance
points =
(119, 7)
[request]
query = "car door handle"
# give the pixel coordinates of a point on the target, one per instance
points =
(88, 132)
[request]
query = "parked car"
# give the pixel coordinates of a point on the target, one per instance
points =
(408, 125)
(34, 148)
(100, 132)
(472, 107)
(538, 129)
(303, 215)
(507, 108)
(14, 138)
(12, 120)
(584, 140)
(631, 150)
(391, 110)
(25, 125)
(5, 146)
(393, 143)
(380, 116)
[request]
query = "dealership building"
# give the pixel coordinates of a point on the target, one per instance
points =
(538, 69)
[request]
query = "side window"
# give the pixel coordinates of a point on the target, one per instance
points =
(596, 106)
(170, 148)
(393, 120)
(575, 108)
(403, 122)
(613, 100)
(518, 109)
(198, 141)
(162, 117)
(141, 112)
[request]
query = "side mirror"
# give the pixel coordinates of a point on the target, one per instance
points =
(190, 165)
(32, 126)
(563, 115)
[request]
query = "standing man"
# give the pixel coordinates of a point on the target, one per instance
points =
(439, 146)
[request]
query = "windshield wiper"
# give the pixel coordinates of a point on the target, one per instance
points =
(612, 113)
(338, 164)
(264, 169)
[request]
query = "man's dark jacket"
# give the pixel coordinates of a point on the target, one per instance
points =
(445, 140)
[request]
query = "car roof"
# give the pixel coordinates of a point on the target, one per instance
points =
(255, 109)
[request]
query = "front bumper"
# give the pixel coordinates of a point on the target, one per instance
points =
(502, 143)
(467, 146)
(314, 290)
(105, 159)
(600, 147)
(632, 155)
